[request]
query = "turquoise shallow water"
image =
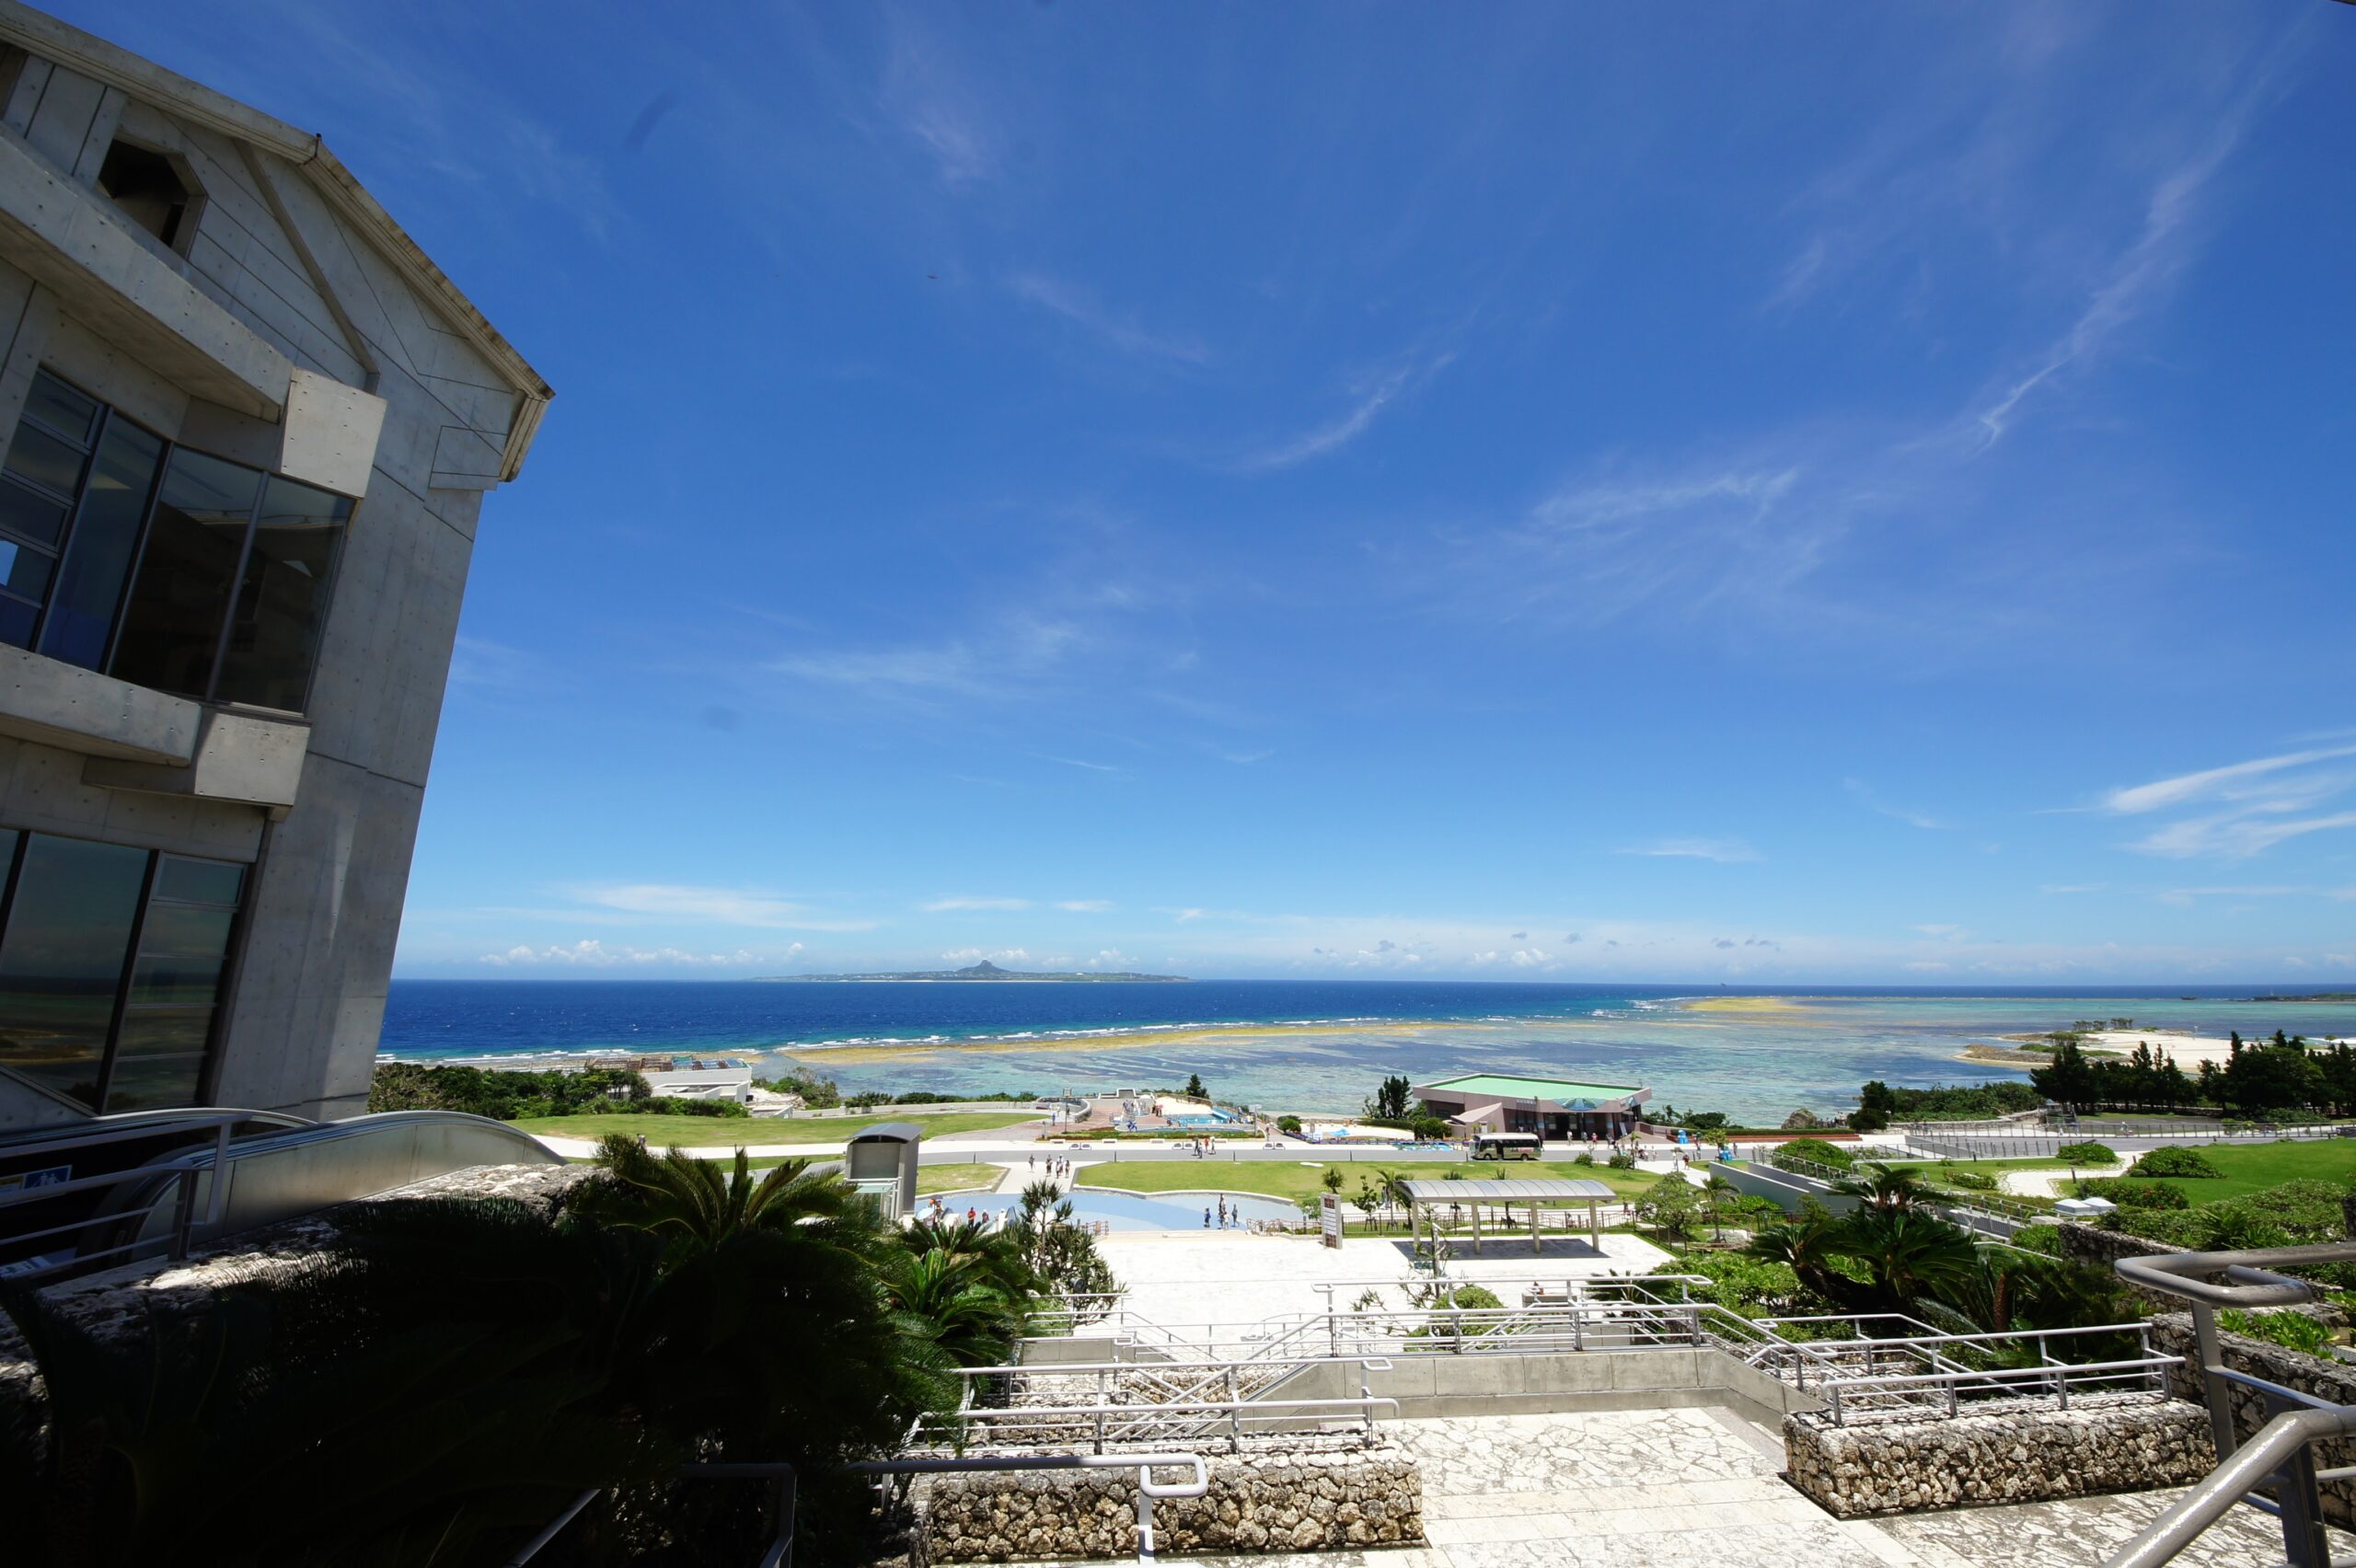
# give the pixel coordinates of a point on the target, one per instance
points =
(1757, 1063)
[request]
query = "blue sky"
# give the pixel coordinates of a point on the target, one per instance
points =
(1790, 493)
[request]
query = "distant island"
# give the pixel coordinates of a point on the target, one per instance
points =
(983, 970)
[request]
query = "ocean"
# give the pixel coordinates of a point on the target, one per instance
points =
(1307, 1045)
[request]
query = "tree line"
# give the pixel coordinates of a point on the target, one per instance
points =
(2259, 1078)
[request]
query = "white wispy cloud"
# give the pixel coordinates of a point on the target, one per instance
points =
(1372, 396)
(2160, 251)
(710, 906)
(1006, 662)
(1079, 307)
(1873, 801)
(929, 98)
(947, 905)
(1723, 850)
(2242, 809)
(2214, 782)
(590, 953)
(2184, 897)
(1085, 905)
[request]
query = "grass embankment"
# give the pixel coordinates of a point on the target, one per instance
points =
(735, 1132)
(2248, 1168)
(1285, 1179)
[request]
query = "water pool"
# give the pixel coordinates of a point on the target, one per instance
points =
(1124, 1212)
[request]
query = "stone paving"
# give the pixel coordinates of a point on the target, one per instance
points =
(1182, 1278)
(1702, 1489)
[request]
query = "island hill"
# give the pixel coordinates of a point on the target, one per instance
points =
(983, 970)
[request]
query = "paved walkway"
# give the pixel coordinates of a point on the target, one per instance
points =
(1700, 1489)
(1182, 1278)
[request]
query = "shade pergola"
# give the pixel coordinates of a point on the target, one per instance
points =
(1557, 1193)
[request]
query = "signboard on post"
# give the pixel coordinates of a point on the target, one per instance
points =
(1328, 1216)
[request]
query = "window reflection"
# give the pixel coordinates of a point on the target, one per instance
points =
(209, 582)
(69, 928)
(171, 628)
(106, 534)
(284, 596)
(69, 1017)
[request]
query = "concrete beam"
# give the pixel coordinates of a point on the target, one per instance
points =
(80, 710)
(66, 236)
(330, 434)
(238, 758)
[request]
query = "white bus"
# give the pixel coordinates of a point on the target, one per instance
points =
(1505, 1145)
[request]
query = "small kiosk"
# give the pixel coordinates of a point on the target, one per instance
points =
(882, 1160)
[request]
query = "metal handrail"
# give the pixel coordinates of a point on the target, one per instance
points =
(2281, 1455)
(182, 1170)
(2283, 1441)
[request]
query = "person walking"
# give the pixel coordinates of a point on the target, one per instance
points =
(1206, 1219)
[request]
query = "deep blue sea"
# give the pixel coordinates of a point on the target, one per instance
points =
(1307, 1044)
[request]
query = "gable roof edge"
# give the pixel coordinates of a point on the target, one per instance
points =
(38, 33)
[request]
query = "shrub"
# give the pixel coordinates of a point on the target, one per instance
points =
(1288, 1123)
(2089, 1154)
(1864, 1120)
(2041, 1238)
(2295, 1330)
(1584, 1157)
(407, 1085)
(2133, 1195)
(1815, 1151)
(1623, 1161)
(1464, 1298)
(1756, 1287)
(2174, 1162)
(1976, 1181)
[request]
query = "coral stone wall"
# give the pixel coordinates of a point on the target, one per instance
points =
(2333, 1380)
(1368, 1494)
(2103, 1443)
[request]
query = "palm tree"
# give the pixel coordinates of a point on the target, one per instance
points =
(1718, 1190)
(1885, 1187)
(690, 1206)
(1910, 1254)
(1808, 1244)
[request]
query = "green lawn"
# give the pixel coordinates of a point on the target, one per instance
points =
(2253, 1168)
(1287, 1179)
(2248, 1168)
(956, 1178)
(709, 1132)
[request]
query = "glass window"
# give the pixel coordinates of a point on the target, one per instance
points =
(70, 918)
(161, 566)
(106, 534)
(200, 881)
(42, 459)
(70, 413)
(28, 515)
(154, 1083)
(284, 596)
(171, 628)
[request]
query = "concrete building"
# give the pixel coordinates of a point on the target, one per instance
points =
(249, 425)
(1550, 1107)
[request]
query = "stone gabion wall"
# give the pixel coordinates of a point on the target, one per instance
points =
(2106, 1442)
(2103, 1249)
(2333, 1380)
(1369, 1493)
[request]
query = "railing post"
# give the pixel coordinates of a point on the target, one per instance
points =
(183, 1214)
(2302, 1504)
(1234, 1411)
(2212, 1356)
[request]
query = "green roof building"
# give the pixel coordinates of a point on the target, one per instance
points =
(1552, 1108)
